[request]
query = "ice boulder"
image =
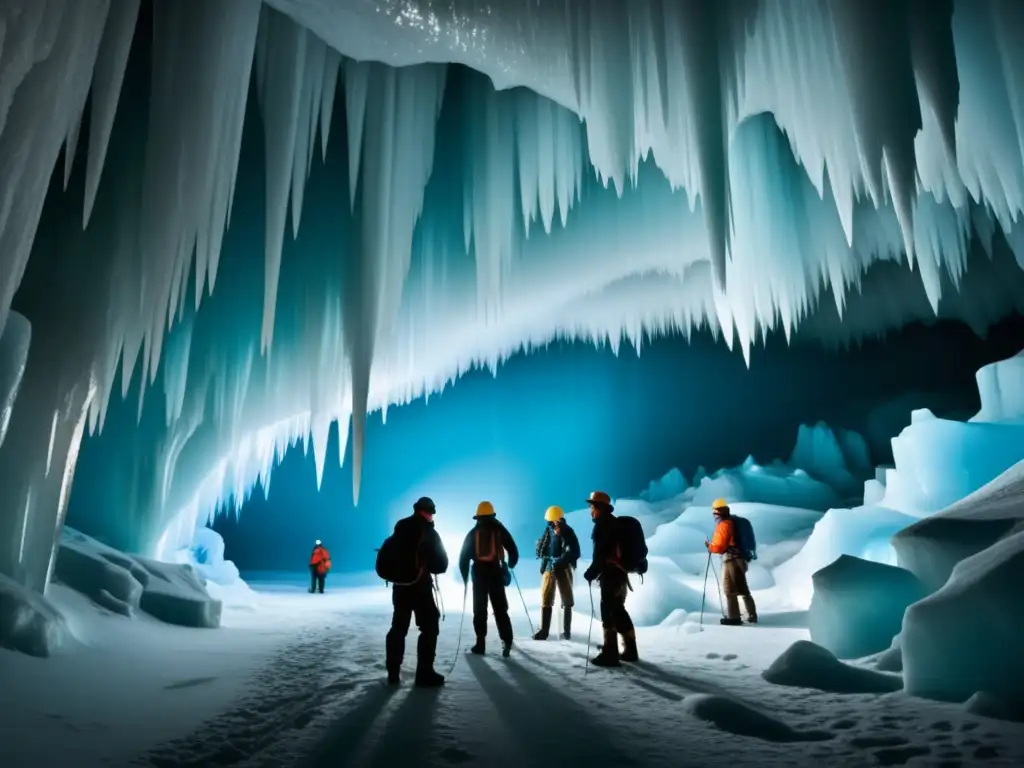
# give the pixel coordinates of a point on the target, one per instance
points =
(938, 462)
(109, 578)
(123, 583)
(176, 594)
(967, 636)
(1001, 387)
(858, 605)
(863, 532)
(221, 577)
(29, 623)
(932, 547)
(807, 665)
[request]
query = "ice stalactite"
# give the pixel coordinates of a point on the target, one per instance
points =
(399, 110)
(667, 167)
(14, 344)
(46, 59)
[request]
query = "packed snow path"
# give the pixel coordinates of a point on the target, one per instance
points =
(696, 698)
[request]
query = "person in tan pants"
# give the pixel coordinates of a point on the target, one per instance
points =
(734, 567)
(558, 549)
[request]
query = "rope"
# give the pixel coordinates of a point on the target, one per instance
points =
(525, 609)
(462, 621)
(590, 631)
(440, 597)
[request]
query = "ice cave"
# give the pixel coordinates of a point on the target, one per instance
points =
(511, 383)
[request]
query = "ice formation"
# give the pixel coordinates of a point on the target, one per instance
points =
(703, 170)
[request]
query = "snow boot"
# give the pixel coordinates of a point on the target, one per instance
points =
(545, 624)
(393, 677)
(751, 608)
(567, 624)
(506, 648)
(629, 652)
(478, 649)
(609, 655)
(730, 622)
(428, 678)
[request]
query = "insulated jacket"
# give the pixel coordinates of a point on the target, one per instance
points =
(723, 542)
(557, 548)
(417, 536)
(606, 546)
(320, 560)
(485, 545)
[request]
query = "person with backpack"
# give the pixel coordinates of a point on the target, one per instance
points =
(558, 550)
(319, 567)
(485, 545)
(619, 549)
(407, 560)
(734, 541)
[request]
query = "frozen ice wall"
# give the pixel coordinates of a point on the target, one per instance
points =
(706, 169)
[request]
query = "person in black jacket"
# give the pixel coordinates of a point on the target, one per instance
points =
(416, 536)
(486, 545)
(558, 550)
(607, 569)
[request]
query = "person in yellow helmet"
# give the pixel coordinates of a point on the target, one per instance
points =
(486, 545)
(725, 542)
(558, 549)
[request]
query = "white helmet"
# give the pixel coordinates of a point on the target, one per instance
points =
(318, 542)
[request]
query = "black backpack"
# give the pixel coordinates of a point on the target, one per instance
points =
(744, 539)
(632, 546)
(396, 564)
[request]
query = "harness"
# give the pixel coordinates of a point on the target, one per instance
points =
(497, 552)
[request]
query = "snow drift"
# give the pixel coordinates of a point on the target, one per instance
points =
(807, 665)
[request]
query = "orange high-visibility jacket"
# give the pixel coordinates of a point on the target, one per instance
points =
(723, 539)
(321, 560)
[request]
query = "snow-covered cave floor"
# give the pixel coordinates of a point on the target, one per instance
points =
(298, 681)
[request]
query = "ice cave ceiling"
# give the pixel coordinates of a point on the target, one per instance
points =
(612, 168)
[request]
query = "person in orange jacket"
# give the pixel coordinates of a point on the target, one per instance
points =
(734, 566)
(319, 566)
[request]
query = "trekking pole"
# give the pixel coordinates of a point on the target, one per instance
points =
(590, 631)
(440, 597)
(704, 593)
(516, 580)
(462, 621)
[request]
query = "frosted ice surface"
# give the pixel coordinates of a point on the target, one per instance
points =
(943, 634)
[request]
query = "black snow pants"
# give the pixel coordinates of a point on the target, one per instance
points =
(614, 589)
(489, 585)
(418, 600)
(316, 580)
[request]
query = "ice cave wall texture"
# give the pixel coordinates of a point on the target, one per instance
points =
(612, 169)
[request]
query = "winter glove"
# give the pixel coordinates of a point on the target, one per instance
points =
(589, 574)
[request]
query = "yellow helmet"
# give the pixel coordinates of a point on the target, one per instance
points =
(484, 509)
(554, 513)
(720, 504)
